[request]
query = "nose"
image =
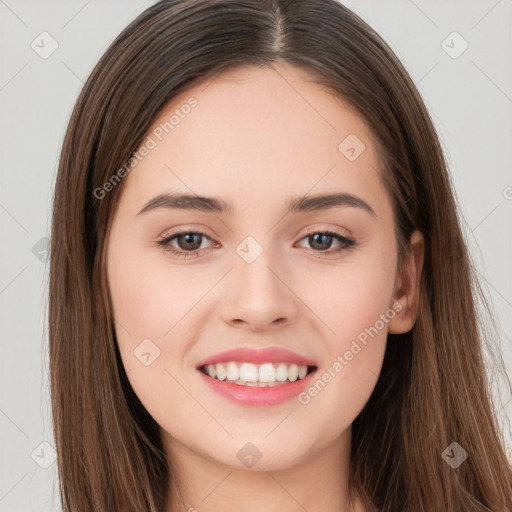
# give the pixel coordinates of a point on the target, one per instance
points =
(259, 296)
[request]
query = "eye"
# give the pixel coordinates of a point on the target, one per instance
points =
(189, 243)
(322, 240)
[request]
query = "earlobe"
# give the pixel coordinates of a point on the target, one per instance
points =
(407, 287)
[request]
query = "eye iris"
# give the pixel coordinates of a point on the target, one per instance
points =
(190, 238)
(316, 245)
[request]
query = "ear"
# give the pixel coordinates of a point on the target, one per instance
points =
(407, 285)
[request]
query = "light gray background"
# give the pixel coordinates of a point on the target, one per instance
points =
(469, 97)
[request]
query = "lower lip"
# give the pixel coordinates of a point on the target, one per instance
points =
(251, 395)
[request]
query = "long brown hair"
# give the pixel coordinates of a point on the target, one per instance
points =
(433, 389)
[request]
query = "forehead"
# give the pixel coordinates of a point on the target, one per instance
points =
(266, 132)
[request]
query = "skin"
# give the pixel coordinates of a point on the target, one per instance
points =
(257, 137)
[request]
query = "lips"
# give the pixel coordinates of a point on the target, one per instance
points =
(249, 355)
(257, 396)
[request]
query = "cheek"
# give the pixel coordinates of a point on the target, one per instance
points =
(351, 297)
(151, 304)
(156, 301)
(355, 307)
(151, 300)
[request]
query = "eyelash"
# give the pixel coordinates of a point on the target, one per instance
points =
(346, 243)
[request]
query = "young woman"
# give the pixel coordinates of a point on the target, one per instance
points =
(260, 294)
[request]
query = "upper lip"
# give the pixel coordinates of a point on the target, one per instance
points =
(257, 356)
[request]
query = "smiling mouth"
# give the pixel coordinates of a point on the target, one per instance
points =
(261, 375)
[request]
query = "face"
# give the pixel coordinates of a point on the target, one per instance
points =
(318, 279)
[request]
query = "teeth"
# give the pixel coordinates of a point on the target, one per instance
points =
(282, 372)
(233, 372)
(267, 373)
(249, 374)
(220, 372)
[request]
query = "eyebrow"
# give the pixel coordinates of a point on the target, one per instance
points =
(216, 205)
